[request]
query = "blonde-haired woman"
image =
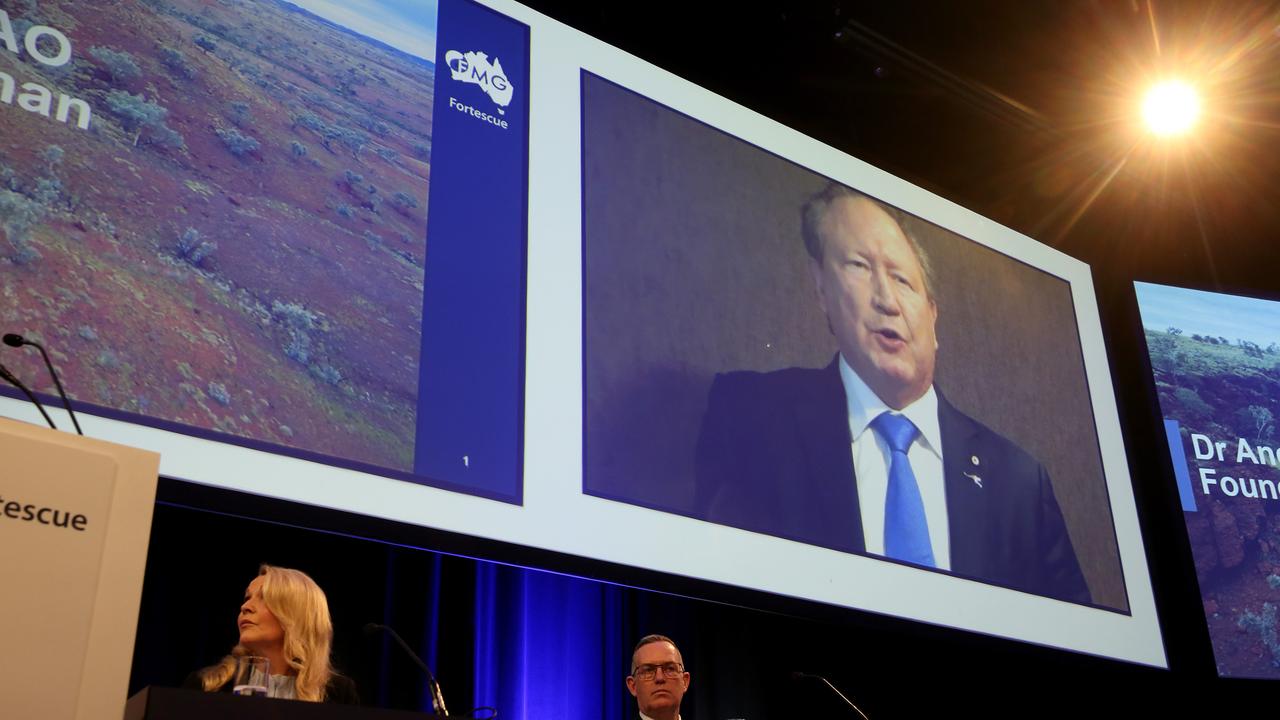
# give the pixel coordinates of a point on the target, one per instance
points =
(284, 618)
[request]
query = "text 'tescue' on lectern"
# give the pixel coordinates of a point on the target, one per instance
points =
(75, 519)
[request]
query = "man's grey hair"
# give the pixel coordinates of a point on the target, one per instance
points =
(649, 640)
(816, 207)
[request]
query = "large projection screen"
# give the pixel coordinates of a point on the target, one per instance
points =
(531, 360)
(1215, 359)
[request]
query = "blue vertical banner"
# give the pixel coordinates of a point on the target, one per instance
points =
(1181, 473)
(471, 375)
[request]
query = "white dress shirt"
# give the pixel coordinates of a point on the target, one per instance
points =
(871, 456)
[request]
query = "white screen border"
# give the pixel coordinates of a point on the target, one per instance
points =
(557, 516)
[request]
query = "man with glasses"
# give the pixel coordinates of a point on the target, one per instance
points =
(658, 679)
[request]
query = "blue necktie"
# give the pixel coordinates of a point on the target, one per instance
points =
(906, 530)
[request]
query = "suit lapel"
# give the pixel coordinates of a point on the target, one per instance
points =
(967, 504)
(822, 420)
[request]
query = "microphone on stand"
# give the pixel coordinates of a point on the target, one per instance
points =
(437, 698)
(799, 675)
(9, 377)
(16, 340)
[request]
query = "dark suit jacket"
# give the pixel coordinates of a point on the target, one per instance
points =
(775, 457)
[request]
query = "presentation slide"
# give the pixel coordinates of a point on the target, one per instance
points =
(1216, 360)
(458, 265)
(216, 216)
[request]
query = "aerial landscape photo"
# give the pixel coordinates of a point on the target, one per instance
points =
(214, 214)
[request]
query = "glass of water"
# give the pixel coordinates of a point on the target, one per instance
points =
(253, 676)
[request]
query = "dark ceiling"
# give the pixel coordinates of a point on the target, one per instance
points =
(1021, 111)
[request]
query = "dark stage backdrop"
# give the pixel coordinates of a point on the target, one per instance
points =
(542, 645)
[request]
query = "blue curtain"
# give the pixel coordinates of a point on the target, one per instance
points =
(548, 646)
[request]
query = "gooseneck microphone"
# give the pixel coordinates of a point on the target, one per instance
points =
(16, 340)
(799, 675)
(9, 377)
(437, 698)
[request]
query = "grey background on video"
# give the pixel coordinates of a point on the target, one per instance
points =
(693, 265)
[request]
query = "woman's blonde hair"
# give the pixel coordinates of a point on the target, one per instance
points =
(300, 606)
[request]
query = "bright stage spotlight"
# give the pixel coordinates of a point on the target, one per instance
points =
(1171, 108)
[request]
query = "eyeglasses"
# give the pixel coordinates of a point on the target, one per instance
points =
(670, 671)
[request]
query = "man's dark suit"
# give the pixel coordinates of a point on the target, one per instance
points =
(775, 457)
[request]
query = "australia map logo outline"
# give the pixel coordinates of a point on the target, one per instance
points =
(474, 68)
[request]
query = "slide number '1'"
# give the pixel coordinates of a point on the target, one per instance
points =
(466, 461)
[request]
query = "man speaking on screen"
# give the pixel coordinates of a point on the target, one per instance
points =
(866, 455)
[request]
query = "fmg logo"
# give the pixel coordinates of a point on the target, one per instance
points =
(474, 68)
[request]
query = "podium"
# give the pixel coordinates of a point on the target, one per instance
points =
(75, 520)
(158, 703)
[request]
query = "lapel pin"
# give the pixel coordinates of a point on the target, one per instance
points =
(974, 459)
(976, 479)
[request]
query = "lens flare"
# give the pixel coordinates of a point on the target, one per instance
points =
(1171, 108)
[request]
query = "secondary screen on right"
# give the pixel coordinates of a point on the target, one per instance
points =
(1216, 361)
